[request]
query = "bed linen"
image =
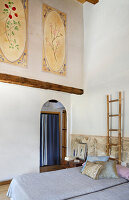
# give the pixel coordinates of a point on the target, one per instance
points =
(58, 185)
(120, 192)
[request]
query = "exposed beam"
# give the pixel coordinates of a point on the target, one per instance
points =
(82, 1)
(90, 1)
(7, 78)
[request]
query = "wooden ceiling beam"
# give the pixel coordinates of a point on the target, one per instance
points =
(90, 1)
(18, 80)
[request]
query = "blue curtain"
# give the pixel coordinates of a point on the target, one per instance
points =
(49, 140)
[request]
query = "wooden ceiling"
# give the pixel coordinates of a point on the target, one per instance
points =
(90, 1)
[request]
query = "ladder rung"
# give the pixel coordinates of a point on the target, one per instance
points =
(114, 158)
(113, 144)
(113, 129)
(115, 100)
(114, 115)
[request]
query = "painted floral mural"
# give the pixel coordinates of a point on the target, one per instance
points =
(11, 25)
(13, 18)
(54, 41)
(54, 24)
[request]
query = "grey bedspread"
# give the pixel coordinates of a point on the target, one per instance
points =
(59, 185)
(120, 192)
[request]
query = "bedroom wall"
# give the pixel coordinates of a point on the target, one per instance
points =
(106, 67)
(20, 106)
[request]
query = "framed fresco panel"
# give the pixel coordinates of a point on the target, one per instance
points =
(13, 31)
(54, 32)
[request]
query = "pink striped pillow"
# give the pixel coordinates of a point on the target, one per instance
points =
(123, 171)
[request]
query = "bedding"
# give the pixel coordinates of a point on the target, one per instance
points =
(92, 170)
(120, 192)
(123, 171)
(97, 158)
(61, 185)
(94, 159)
(109, 169)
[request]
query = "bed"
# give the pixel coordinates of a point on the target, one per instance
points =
(67, 184)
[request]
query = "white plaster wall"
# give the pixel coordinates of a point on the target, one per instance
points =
(20, 127)
(74, 44)
(106, 66)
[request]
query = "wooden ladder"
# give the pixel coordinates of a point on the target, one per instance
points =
(109, 130)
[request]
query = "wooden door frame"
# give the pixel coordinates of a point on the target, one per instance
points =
(54, 113)
(64, 134)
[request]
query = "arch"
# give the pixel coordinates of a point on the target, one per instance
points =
(53, 106)
(59, 99)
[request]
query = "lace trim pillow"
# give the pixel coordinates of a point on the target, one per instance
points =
(92, 170)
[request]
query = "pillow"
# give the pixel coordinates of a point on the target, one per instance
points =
(123, 171)
(97, 158)
(109, 169)
(94, 159)
(92, 170)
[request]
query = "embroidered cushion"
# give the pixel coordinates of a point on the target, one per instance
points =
(92, 169)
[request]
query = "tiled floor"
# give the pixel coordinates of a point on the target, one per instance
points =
(3, 191)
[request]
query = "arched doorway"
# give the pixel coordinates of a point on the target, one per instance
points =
(53, 134)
